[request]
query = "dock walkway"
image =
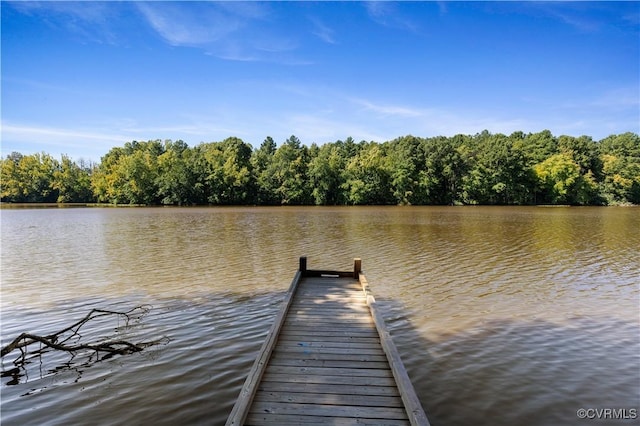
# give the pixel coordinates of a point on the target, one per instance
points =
(328, 359)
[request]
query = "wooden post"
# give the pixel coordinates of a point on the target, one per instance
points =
(357, 267)
(303, 265)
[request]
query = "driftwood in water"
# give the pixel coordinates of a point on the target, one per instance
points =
(58, 340)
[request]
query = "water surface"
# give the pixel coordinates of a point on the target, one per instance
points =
(503, 316)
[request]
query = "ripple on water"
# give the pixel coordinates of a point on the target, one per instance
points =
(193, 379)
(534, 373)
(502, 315)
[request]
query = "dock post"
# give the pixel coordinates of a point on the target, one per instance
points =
(357, 267)
(303, 265)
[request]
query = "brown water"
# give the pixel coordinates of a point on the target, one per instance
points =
(503, 316)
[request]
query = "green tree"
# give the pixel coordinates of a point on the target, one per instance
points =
(622, 145)
(584, 151)
(287, 174)
(499, 173)
(620, 156)
(105, 179)
(406, 161)
(326, 169)
(129, 175)
(175, 179)
(538, 146)
(29, 178)
(11, 185)
(349, 147)
(481, 169)
(138, 172)
(560, 181)
(226, 171)
(368, 176)
(72, 182)
(238, 171)
(445, 167)
(261, 161)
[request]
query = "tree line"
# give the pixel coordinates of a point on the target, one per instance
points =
(485, 168)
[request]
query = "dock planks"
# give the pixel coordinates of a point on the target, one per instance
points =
(328, 359)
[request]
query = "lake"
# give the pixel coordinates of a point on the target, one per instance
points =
(502, 315)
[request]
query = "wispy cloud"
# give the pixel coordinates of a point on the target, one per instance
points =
(89, 21)
(231, 31)
(600, 113)
(387, 14)
(92, 143)
(199, 24)
(40, 85)
(237, 31)
(325, 127)
(387, 109)
(395, 119)
(197, 127)
(614, 100)
(585, 17)
(52, 133)
(322, 31)
(619, 99)
(326, 113)
(573, 17)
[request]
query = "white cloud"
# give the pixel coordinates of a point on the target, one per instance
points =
(377, 10)
(230, 31)
(77, 143)
(387, 14)
(387, 109)
(322, 31)
(274, 44)
(618, 99)
(96, 142)
(200, 128)
(91, 21)
(321, 127)
(192, 26)
(393, 120)
(582, 16)
(10, 131)
(41, 86)
(323, 113)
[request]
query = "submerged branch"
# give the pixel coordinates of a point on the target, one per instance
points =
(58, 339)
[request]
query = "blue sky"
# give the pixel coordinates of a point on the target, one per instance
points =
(81, 78)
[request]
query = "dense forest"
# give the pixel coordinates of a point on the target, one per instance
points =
(486, 168)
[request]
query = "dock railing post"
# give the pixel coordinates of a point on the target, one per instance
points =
(357, 267)
(303, 265)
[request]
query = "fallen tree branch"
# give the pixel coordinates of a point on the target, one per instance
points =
(58, 340)
(120, 347)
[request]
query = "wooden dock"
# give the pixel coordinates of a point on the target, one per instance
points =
(328, 359)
